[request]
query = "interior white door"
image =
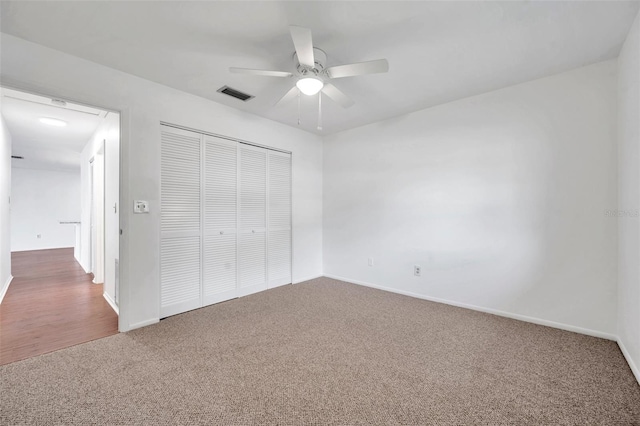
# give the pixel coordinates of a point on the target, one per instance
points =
(279, 219)
(180, 254)
(252, 216)
(220, 220)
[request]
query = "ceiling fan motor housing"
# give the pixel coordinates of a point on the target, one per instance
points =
(320, 60)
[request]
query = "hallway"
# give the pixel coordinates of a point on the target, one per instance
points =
(51, 304)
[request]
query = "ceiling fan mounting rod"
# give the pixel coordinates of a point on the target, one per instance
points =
(319, 63)
(306, 72)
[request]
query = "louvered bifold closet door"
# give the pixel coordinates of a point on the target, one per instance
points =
(279, 219)
(220, 220)
(179, 221)
(252, 236)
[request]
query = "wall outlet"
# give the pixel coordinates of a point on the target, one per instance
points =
(371, 261)
(417, 270)
(140, 206)
(39, 236)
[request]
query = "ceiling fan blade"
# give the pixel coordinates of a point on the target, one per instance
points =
(292, 93)
(260, 72)
(360, 68)
(303, 44)
(337, 96)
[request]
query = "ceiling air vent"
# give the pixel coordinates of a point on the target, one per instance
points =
(17, 157)
(235, 93)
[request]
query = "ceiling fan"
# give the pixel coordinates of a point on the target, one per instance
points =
(309, 63)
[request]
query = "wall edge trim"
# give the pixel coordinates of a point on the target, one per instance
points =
(627, 356)
(143, 324)
(111, 302)
(5, 288)
(533, 320)
(301, 280)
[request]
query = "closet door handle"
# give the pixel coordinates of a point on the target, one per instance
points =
(221, 232)
(253, 231)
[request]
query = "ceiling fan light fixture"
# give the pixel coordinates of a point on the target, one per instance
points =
(310, 85)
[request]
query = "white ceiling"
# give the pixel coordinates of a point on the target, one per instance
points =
(44, 146)
(438, 51)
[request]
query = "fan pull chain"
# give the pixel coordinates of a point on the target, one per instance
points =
(298, 108)
(319, 110)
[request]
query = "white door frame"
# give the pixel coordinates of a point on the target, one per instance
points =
(124, 113)
(92, 220)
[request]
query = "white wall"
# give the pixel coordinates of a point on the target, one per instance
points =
(144, 105)
(500, 198)
(5, 208)
(629, 198)
(40, 200)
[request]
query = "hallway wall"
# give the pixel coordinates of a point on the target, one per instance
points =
(40, 200)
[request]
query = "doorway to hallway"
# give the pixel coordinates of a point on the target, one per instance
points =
(64, 240)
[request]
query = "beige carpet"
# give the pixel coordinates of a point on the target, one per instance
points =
(327, 352)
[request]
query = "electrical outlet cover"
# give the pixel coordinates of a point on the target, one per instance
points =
(140, 206)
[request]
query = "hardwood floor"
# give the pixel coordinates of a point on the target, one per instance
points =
(51, 304)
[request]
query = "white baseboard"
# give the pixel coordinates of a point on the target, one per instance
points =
(627, 356)
(143, 324)
(511, 315)
(41, 248)
(5, 288)
(301, 280)
(111, 303)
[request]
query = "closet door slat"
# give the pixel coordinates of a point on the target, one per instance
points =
(220, 220)
(252, 238)
(179, 221)
(220, 184)
(179, 275)
(220, 268)
(279, 229)
(252, 262)
(253, 188)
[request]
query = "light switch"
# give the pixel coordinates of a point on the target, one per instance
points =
(140, 206)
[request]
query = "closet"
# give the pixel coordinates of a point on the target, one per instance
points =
(225, 219)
